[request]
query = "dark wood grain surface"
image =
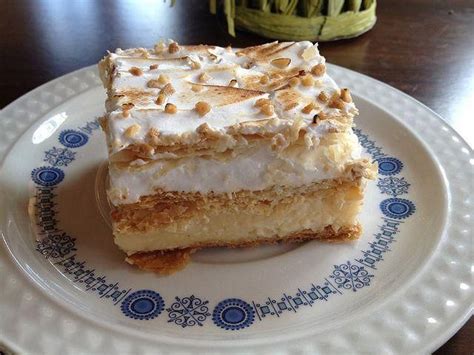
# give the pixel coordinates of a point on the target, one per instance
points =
(422, 47)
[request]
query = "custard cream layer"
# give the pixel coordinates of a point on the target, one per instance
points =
(224, 226)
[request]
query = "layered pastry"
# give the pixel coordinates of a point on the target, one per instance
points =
(217, 147)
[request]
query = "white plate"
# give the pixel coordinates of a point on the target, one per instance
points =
(405, 286)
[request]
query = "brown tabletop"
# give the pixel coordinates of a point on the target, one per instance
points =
(422, 47)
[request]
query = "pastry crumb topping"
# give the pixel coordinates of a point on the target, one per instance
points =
(163, 79)
(320, 116)
(307, 80)
(294, 82)
(146, 149)
(203, 128)
(159, 47)
(202, 108)
(346, 95)
(204, 77)
(132, 131)
(153, 136)
(128, 106)
(160, 100)
(249, 64)
(267, 110)
(309, 53)
(323, 97)
(126, 109)
(153, 132)
(281, 62)
(168, 90)
(262, 102)
(171, 108)
(290, 106)
(135, 71)
(264, 79)
(279, 142)
(153, 83)
(196, 88)
(337, 103)
(206, 131)
(173, 47)
(308, 108)
(318, 69)
(143, 52)
(195, 65)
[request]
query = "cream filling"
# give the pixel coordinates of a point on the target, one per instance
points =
(258, 169)
(226, 226)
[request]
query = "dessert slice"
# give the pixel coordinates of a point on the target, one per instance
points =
(212, 147)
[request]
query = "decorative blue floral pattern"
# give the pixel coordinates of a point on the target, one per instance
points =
(188, 311)
(350, 276)
(47, 176)
(229, 314)
(90, 127)
(143, 305)
(293, 302)
(381, 243)
(233, 314)
(73, 139)
(393, 186)
(59, 156)
(398, 208)
(45, 210)
(56, 245)
(389, 166)
(369, 145)
(90, 280)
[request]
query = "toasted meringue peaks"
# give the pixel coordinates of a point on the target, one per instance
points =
(166, 86)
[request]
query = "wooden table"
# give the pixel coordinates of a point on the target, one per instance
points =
(422, 47)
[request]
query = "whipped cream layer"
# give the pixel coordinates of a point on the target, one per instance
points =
(230, 81)
(257, 169)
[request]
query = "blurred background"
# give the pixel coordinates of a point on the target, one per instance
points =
(422, 47)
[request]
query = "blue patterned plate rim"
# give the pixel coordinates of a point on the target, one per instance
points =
(233, 313)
